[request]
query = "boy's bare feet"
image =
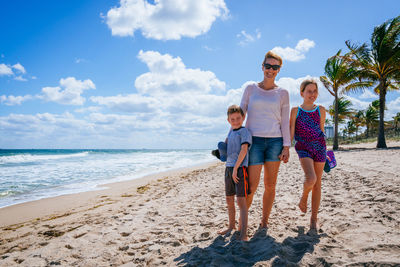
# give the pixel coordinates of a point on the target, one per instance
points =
(263, 225)
(227, 231)
(303, 204)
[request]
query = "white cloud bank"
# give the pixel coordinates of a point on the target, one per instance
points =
(165, 19)
(173, 91)
(297, 53)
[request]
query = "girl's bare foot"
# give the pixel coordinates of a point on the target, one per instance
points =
(263, 225)
(224, 232)
(303, 204)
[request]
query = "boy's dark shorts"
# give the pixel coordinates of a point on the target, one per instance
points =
(240, 189)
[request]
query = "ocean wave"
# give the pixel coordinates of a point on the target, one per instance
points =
(28, 158)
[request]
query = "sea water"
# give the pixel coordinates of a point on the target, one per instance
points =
(27, 175)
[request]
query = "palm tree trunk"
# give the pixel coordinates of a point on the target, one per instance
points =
(335, 137)
(381, 131)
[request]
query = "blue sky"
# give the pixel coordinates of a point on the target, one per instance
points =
(160, 74)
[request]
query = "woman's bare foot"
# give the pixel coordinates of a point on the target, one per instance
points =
(263, 225)
(227, 231)
(303, 204)
(244, 237)
(314, 224)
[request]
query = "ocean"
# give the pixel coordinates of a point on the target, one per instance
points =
(32, 174)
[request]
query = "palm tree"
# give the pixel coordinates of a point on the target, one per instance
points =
(371, 116)
(379, 65)
(344, 110)
(396, 121)
(351, 127)
(358, 120)
(340, 110)
(339, 77)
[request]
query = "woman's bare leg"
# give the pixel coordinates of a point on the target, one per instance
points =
(254, 180)
(271, 170)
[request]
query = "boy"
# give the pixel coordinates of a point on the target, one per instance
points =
(236, 178)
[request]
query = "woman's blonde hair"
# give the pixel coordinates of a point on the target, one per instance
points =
(306, 82)
(271, 54)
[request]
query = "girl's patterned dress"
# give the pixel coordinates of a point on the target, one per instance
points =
(310, 139)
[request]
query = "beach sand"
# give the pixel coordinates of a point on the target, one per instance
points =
(173, 219)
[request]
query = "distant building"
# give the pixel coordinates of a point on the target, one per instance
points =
(329, 131)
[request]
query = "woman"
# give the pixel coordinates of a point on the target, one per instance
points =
(267, 108)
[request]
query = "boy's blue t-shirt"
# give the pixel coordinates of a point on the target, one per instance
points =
(236, 138)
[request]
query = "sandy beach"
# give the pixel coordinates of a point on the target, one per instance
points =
(172, 219)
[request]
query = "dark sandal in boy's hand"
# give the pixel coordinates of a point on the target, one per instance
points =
(215, 153)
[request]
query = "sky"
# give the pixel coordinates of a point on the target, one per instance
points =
(161, 74)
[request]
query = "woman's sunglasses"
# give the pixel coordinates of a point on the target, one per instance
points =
(274, 67)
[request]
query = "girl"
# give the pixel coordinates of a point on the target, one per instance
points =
(307, 127)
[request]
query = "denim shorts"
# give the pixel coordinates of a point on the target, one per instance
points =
(265, 149)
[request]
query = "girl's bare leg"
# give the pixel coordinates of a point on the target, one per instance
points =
(230, 201)
(310, 179)
(271, 170)
(316, 194)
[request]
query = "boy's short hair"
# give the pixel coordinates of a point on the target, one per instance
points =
(271, 54)
(306, 82)
(235, 109)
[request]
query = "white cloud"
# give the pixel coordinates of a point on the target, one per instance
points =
(69, 92)
(80, 60)
(14, 100)
(393, 107)
(297, 53)
(367, 94)
(358, 104)
(247, 38)
(19, 67)
(169, 75)
(20, 78)
(209, 48)
(165, 19)
(5, 70)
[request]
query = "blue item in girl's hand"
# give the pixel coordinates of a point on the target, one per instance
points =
(331, 159)
(330, 162)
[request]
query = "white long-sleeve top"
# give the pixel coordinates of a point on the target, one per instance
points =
(267, 112)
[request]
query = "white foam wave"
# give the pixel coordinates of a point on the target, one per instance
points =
(25, 158)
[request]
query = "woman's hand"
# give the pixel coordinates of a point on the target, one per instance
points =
(284, 156)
